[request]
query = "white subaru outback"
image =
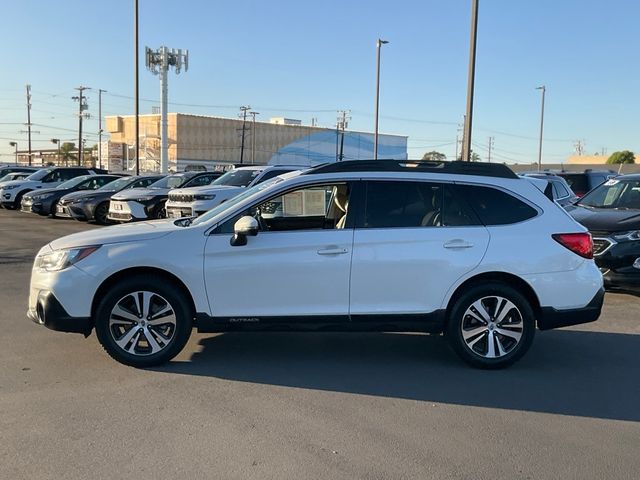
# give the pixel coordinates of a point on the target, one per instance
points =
(465, 249)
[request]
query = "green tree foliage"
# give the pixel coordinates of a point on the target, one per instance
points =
(624, 156)
(434, 156)
(66, 153)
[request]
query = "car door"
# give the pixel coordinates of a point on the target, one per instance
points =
(412, 243)
(296, 267)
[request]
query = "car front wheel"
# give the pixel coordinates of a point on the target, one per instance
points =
(142, 322)
(491, 326)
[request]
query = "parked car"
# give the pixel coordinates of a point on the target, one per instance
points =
(192, 200)
(94, 205)
(557, 188)
(582, 182)
(611, 212)
(11, 193)
(14, 176)
(45, 201)
(5, 169)
(358, 246)
(148, 203)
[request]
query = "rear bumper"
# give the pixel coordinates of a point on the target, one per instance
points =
(552, 318)
(50, 313)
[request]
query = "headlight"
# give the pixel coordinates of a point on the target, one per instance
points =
(204, 197)
(145, 199)
(61, 259)
(10, 187)
(627, 236)
(44, 196)
(83, 199)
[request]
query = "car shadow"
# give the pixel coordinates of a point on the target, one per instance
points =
(568, 372)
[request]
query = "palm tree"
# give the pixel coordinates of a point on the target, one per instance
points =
(66, 153)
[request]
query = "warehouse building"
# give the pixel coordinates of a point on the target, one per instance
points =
(211, 141)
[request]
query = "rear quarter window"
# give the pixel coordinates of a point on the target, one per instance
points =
(496, 207)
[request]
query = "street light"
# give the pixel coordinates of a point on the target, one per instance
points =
(544, 89)
(15, 144)
(379, 44)
(57, 141)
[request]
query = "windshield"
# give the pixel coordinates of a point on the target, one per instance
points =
(237, 178)
(235, 200)
(116, 185)
(172, 181)
(623, 194)
(73, 182)
(40, 174)
(11, 176)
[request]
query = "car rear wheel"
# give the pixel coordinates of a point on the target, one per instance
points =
(491, 326)
(143, 322)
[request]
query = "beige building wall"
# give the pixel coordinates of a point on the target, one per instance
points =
(592, 159)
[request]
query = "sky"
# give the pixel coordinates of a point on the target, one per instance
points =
(307, 60)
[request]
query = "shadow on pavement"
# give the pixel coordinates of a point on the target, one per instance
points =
(569, 372)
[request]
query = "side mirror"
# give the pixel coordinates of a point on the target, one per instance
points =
(246, 226)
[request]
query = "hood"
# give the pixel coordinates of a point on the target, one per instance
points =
(20, 183)
(207, 189)
(606, 219)
(41, 191)
(128, 232)
(88, 194)
(133, 193)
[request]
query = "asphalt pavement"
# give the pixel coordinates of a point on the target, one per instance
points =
(310, 406)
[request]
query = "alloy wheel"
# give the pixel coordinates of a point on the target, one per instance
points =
(492, 327)
(142, 323)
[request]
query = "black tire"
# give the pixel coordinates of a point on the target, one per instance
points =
(54, 207)
(101, 212)
(161, 289)
(159, 212)
(463, 315)
(17, 202)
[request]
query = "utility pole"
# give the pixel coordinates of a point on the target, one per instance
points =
(341, 125)
(466, 139)
(136, 88)
(82, 106)
(100, 91)
(244, 109)
(544, 89)
(158, 62)
(459, 130)
(29, 118)
(379, 44)
(253, 136)
(490, 146)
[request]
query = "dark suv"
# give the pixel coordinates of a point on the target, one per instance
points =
(557, 188)
(611, 212)
(582, 182)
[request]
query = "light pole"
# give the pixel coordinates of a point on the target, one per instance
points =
(15, 144)
(57, 141)
(379, 44)
(544, 89)
(466, 135)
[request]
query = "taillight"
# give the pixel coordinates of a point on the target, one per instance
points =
(579, 243)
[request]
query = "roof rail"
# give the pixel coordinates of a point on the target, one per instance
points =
(455, 167)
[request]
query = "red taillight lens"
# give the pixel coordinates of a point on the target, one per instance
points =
(579, 243)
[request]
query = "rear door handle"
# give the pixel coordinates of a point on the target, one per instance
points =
(457, 243)
(332, 251)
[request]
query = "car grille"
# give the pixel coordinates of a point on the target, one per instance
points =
(181, 198)
(601, 245)
(119, 216)
(26, 207)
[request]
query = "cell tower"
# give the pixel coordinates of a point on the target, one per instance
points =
(158, 62)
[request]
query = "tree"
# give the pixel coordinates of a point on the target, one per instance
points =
(434, 156)
(474, 156)
(624, 156)
(66, 152)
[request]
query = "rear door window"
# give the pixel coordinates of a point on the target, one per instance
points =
(494, 206)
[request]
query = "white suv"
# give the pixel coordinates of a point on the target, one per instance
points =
(465, 249)
(193, 201)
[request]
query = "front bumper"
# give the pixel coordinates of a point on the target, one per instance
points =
(553, 318)
(616, 262)
(49, 312)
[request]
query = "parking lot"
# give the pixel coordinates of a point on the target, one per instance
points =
(309, 406)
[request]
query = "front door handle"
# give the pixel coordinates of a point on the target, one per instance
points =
(332, 251)
(458, 243)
